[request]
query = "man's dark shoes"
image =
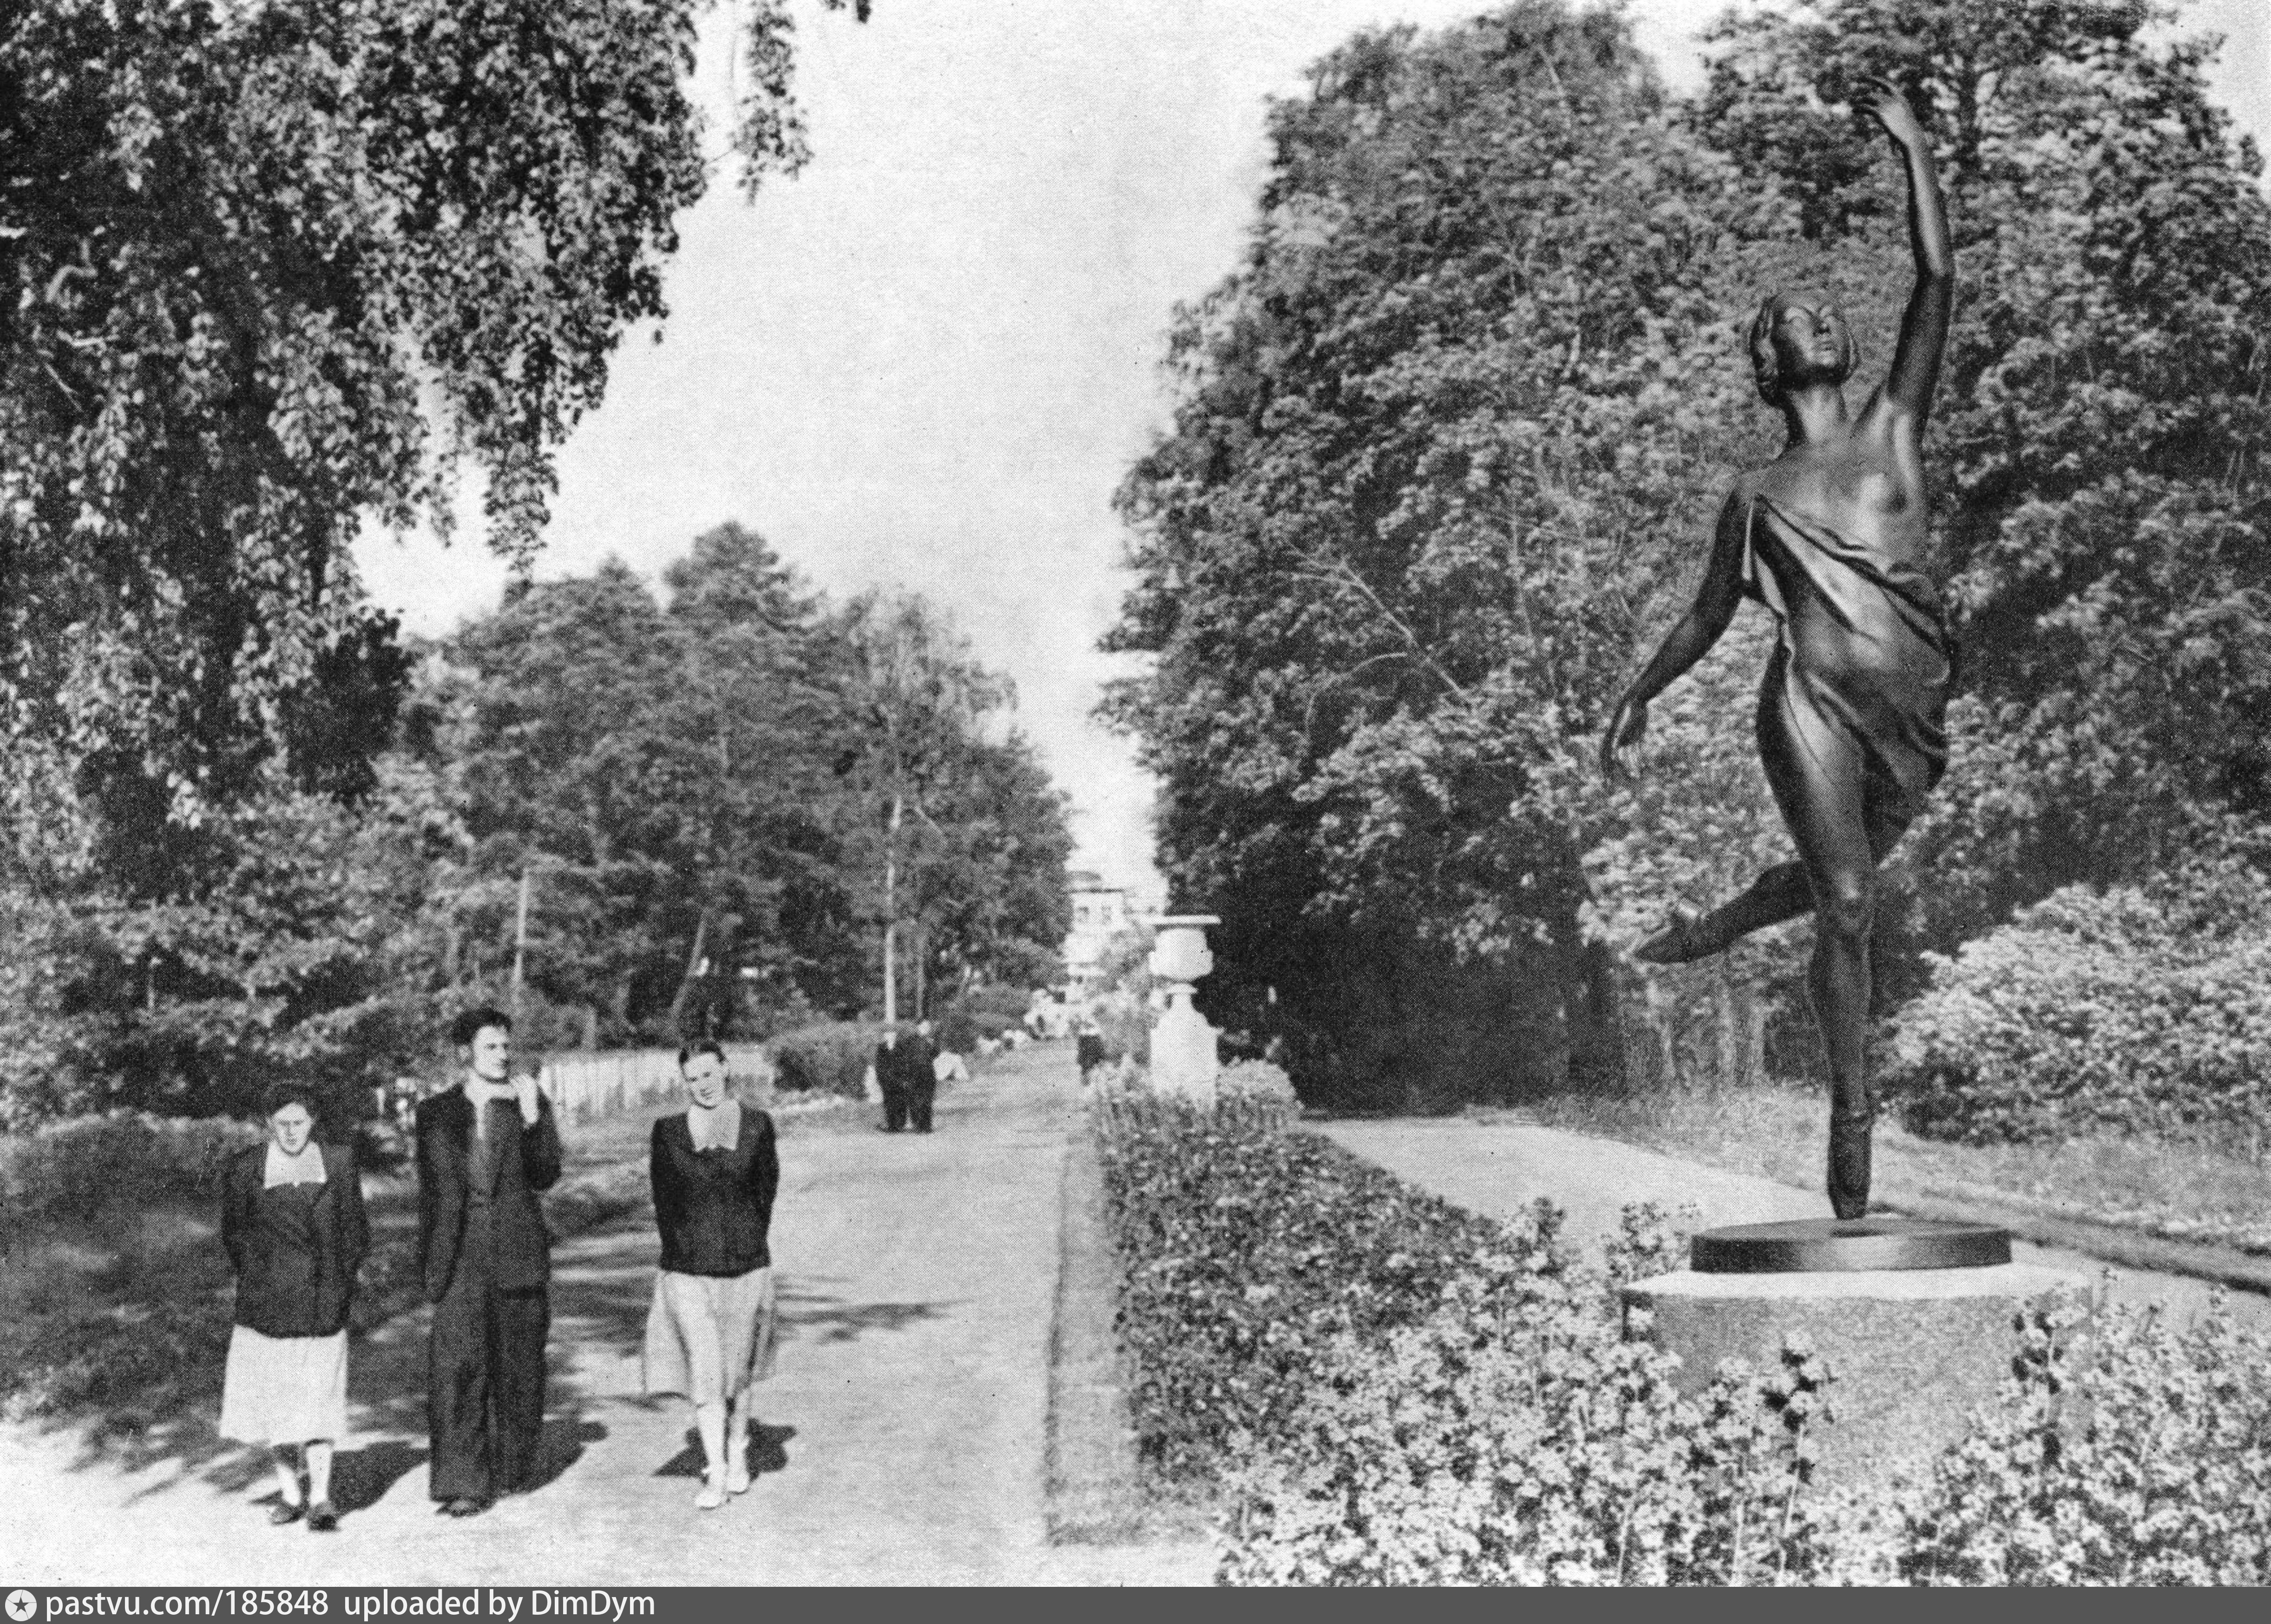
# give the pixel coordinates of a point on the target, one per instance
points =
(282, 1512)
(464, 1505)
(322, 1519)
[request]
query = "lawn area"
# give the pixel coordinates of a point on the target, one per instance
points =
(2199, 1192)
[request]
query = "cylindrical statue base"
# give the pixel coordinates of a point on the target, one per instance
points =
(1911, 1352)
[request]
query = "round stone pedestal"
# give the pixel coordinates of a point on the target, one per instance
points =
(1911, 1352)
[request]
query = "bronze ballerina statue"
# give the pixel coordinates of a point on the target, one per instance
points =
(1830, 537)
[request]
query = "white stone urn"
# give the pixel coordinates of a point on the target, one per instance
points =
(1184, 1056)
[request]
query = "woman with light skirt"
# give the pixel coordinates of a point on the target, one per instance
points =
(715, 1169)
(293, 1226)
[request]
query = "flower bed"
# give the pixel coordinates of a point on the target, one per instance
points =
(1380, 1387)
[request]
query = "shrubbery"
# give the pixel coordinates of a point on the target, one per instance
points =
(2137, 1452)
(831, 1057)
(981, 1012)
(2140, 1011)
(1393, 1391)
(80, 1168)
(1384, 1388)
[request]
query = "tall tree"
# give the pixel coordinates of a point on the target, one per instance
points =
(270, 267)
(270, 271)
(1433, 440)
(703, 794)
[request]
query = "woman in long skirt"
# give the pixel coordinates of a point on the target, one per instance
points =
(710, 1332)
(292, 1219)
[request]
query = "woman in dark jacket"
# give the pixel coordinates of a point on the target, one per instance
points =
(710, 1332)
(292, 1219)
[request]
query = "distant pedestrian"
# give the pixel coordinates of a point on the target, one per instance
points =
(715, 1169)
(921, 1064)
(952, 1068)
(892, 1078)
(1088, 1047)
(485, 1149)
(292, 1221)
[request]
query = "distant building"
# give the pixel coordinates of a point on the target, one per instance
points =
(1099, 913)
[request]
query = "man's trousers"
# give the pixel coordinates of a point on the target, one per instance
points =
(485, 1379)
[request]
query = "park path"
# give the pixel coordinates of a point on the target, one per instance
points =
(1499, 1168)
(902, 1437)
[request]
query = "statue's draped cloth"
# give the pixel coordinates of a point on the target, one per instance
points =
(1862, 672)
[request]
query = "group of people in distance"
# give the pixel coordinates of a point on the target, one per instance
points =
(908, 1071)
(293, 1225)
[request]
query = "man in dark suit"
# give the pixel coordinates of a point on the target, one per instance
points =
(922, 1062)
(892, 1078)
(486, 1147)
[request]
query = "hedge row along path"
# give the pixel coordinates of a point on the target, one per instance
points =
(903, 1433)
(1499, 1168)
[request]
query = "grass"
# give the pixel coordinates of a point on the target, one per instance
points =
(2182, 1192)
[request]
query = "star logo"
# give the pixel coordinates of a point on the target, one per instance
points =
(21, 1605)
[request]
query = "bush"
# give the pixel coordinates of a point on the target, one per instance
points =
(1252, 1097)
(830, 1057)
(997, 1001)
(2142, 1012)
(1247, 1253)
(2137, 1452)
(985, 1012)
(1261, 1089)
(1393, 1390)
(79, 1169)
(1538, 1449)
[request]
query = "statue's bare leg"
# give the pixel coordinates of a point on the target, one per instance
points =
(1781, 894)
(1820, 781)
(1778, 896)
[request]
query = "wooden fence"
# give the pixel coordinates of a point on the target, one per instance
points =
(582, 1085)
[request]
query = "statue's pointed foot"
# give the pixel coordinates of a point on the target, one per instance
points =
(1675, 944)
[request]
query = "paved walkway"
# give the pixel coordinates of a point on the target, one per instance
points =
(902, 1436)
(1499, 1168)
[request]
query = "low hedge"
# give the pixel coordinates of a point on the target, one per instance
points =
(2125, 1009)
(828, 1056)
(1380, 1387)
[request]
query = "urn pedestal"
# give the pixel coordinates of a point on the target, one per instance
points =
(1184, 1058)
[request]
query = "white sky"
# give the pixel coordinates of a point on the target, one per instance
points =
(930, 359)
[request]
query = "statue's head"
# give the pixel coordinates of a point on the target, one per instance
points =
(1797, 339)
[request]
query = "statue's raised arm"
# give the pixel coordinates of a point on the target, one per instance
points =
(1924, 324)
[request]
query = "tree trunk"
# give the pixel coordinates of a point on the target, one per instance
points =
(685, 981)
(1730, 1046)
(520, 947)
(1587, 977)
(892, 914)
(1662, 1020)
(1755, 1052)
